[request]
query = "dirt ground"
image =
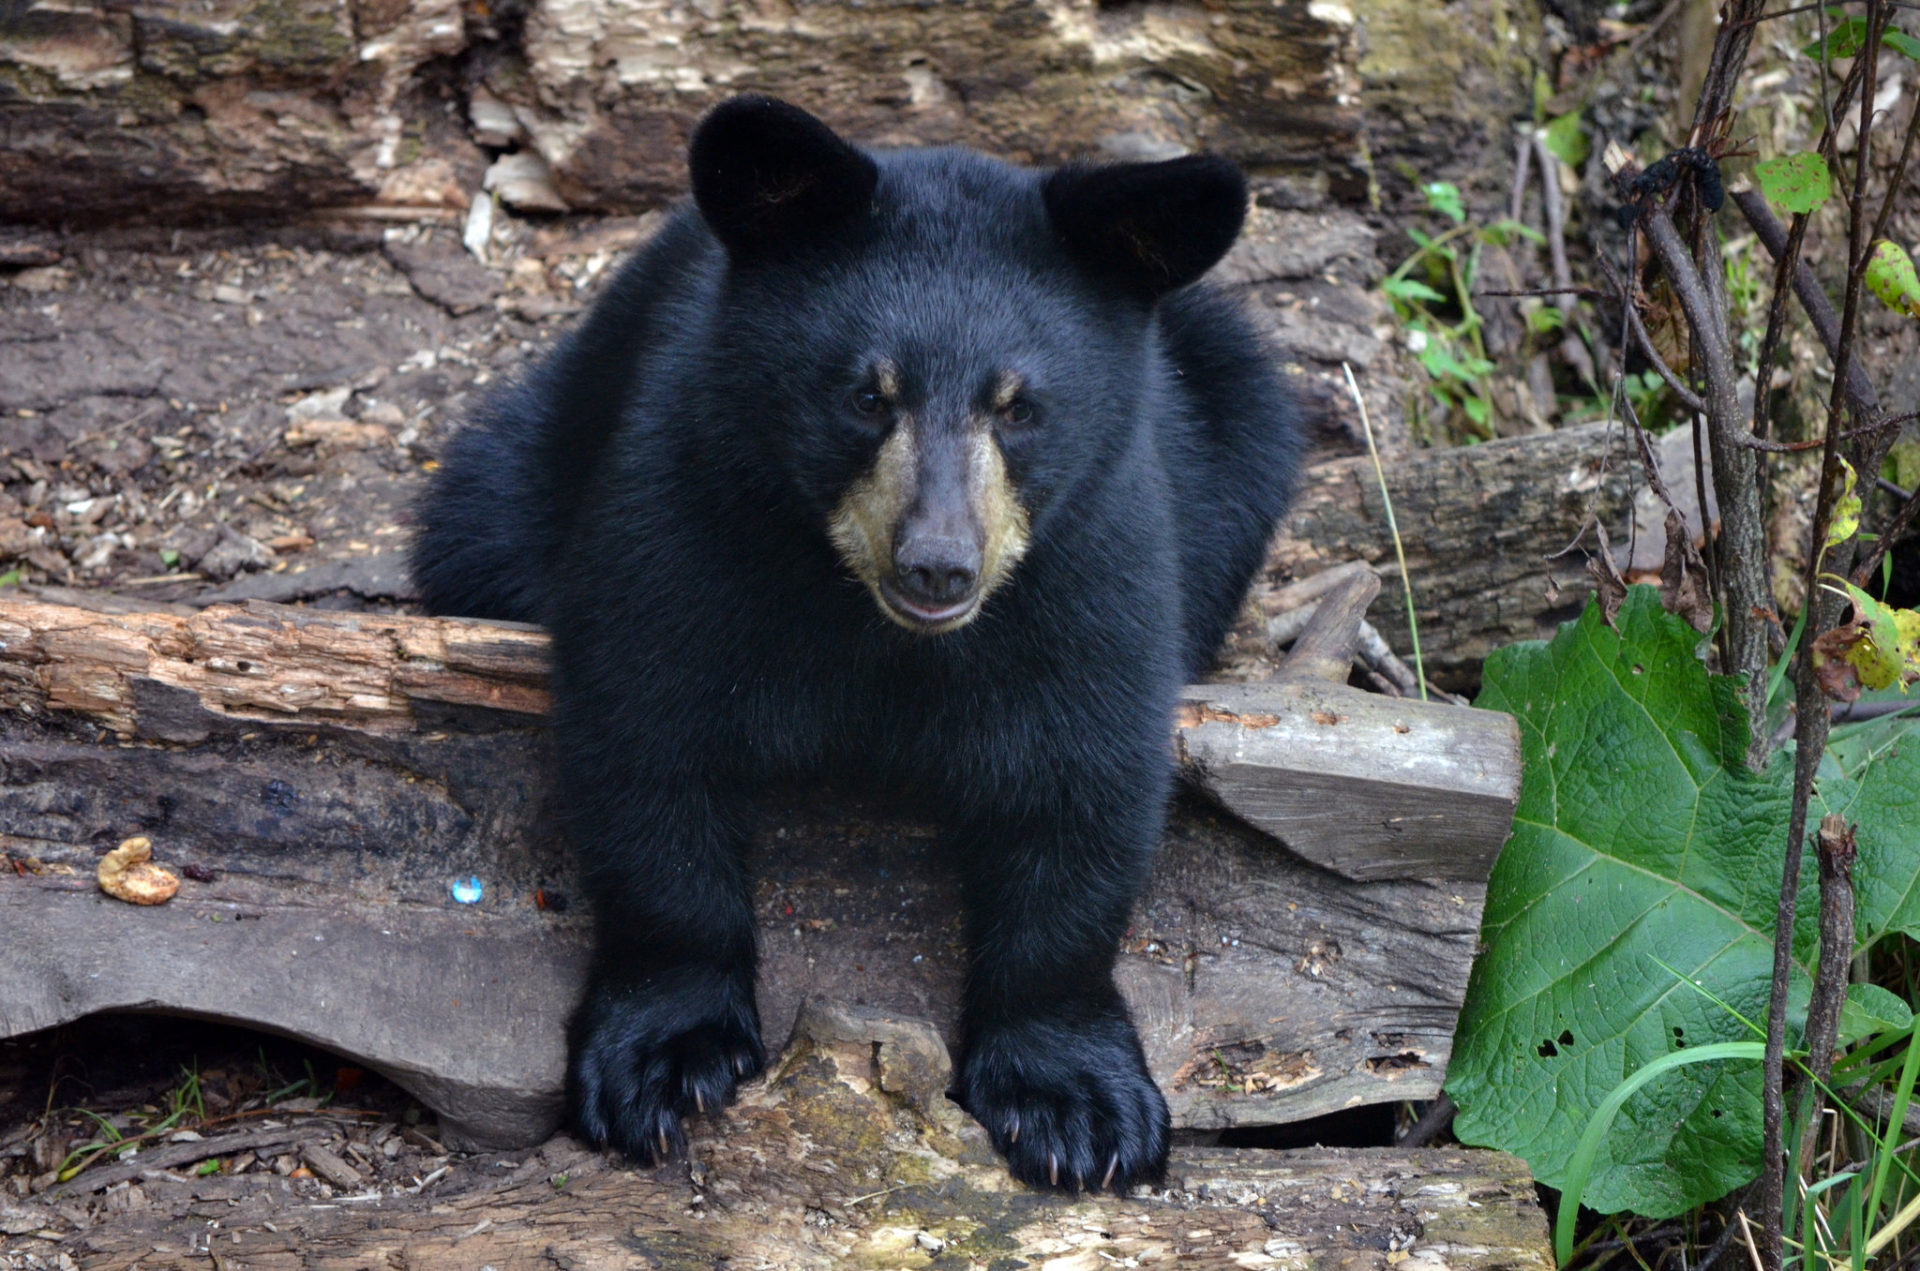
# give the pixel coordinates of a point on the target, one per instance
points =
(194, 416)
(246, 414)
(115, 1117)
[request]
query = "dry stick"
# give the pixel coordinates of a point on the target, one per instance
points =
(1813, 721)
(1556, 217)
(1638, 328)
(1522, 161)
(1902, 521)
(1431, 1125)
(1835, 850)
(1743, 572)
(1812, 296)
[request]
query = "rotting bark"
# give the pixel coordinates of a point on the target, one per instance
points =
(335, 773)
(1473, 520)
(848, 1154)
(162, 111)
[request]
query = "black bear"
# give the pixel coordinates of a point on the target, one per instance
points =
(910, 468)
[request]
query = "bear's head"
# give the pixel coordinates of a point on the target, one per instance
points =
(940, 352)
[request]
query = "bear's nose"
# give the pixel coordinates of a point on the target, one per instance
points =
(936, 570)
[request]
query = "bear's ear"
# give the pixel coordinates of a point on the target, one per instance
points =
(769, 177)
(1156, 225)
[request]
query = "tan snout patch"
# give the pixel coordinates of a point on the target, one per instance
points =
(864, 524)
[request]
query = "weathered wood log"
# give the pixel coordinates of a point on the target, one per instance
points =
(172, 111)
(849, 1155)
(161, 110)
(323, 779)
(1482, 526)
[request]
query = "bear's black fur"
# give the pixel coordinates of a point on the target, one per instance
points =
(914, 469)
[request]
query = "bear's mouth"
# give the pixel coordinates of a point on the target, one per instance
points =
(924, 619)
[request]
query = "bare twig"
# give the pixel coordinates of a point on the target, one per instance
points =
(1522, 162)
(1637, 326)
(1571, 348)
(1812, 296)
(1813, 722)
(1393, 528)
(1432, 1123)
(1743, 556)
(1902, 521)
(1899, 175)
(1835, 850)
(1785, 268)
(1852, 434)
(1729, 56)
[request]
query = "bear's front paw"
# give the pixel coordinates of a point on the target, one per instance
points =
(646, 1051)
(1070, 1105)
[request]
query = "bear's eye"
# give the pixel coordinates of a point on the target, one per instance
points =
(1018, 413)
(869, 403)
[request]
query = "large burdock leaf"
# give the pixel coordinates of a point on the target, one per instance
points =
(1631, 913)
(1643, 851)
(1880, 793)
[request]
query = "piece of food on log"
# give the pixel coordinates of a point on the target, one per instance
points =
(849, 1155)
(355, 804)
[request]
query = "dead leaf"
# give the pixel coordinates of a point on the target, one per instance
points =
(1609, 587)
(1683, 577)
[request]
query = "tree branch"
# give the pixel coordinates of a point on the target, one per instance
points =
(1743, 556)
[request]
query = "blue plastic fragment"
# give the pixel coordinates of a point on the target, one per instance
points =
(466, 891)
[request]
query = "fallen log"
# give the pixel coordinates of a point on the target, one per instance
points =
(848, 1154)
(324, 780)
(1482, 527)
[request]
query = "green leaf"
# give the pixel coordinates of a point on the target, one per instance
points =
(1504, 229)
(1408, 289)
(1870, 1010)
(1565, 140)
(1545, 319)
(1843, 39)
(1603, 897)
(1882, 799)
(169, 558)
(1890, 276)
(1444, 198)
(11, 578)
(1476, 408)
(1795, 182)
(1596, 890)
(206, 1168)
(1846, 509)
(1590, 1140)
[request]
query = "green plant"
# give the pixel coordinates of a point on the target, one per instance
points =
(1432, 294)
(1597, 895)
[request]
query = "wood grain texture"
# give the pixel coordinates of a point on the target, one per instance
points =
(333, 774)
(849, 1155)
(1480, 525)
